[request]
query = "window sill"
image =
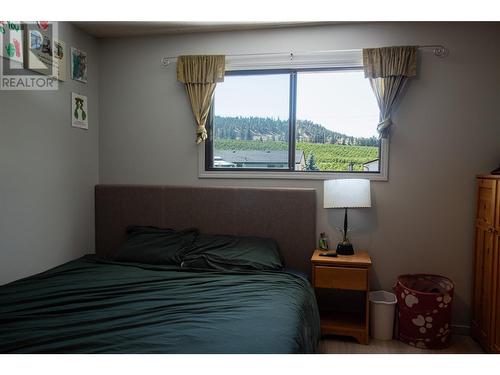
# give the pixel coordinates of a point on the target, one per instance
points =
(291, 175)
(285, 175)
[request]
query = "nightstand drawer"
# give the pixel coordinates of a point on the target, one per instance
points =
(341, 278)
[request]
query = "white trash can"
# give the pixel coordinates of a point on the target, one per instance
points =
(382, 307)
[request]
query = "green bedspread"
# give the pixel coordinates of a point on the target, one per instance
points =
(95, 306)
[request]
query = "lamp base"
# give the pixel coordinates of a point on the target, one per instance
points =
(345, 248)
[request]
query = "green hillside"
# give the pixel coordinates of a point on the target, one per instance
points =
(271, 129)
(328, 156)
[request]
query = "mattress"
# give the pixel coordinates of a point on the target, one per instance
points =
(91, 305)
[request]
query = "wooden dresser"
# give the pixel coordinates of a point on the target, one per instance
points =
(486, 290)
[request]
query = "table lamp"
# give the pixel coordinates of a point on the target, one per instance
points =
(346, 193)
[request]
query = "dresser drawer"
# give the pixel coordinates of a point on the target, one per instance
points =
(341, 278)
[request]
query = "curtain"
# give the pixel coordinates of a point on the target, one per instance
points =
(200, 75)
(388, 69)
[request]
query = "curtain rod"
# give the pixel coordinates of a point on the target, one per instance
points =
(437, 50)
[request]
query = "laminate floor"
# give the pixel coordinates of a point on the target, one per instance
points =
(341, 345)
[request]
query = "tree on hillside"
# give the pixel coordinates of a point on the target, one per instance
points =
(311, 163)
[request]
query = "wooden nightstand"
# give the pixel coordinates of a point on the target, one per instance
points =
(342, 286)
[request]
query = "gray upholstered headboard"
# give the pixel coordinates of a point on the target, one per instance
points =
(287, 215)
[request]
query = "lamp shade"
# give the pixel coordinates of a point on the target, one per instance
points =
(348, 193)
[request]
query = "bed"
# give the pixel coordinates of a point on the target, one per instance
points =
(95, 304)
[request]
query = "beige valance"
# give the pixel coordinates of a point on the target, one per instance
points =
(390, 61)
(201, 68)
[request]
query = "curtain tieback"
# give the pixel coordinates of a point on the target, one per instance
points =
(201, 132)
(384, 124)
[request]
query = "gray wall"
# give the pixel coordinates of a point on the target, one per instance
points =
(47, 172)
(447, 131)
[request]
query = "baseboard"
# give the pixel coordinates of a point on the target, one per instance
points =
(461, 329)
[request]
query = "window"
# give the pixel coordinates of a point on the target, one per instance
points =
(300, 120)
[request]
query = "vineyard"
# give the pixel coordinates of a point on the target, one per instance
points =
(329, 157)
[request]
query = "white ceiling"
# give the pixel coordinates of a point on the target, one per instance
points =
(124, 29)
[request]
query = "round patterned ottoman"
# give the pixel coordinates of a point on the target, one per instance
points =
(424, 310)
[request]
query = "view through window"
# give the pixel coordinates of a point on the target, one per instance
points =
(328, 116)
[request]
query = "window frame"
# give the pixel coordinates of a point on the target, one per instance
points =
(206, 170)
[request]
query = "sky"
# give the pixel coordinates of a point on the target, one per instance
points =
(340, 101)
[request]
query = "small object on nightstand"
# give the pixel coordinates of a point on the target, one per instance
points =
(328, 254)
(496, 171)
(338, 281)
(323, 241)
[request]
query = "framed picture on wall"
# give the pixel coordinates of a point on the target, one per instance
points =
(59, 59)
(78, 65)
(11, 41)
(79, 111)
(45, 53)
